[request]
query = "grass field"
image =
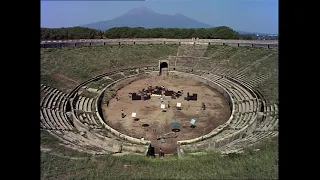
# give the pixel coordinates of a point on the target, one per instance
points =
(82, 63)
(262, 164)
(234, 56)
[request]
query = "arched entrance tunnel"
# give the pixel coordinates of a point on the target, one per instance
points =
(163, 67)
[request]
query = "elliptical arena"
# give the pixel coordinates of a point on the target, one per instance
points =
(88, 119)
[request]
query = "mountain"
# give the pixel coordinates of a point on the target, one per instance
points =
(144, 17)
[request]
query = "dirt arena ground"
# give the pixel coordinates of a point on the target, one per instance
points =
(149, 112)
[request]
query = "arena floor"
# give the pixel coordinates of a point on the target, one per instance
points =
(149, 112)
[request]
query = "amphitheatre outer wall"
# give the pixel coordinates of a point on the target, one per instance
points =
(104, 42)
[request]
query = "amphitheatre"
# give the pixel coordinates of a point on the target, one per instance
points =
(236, 79)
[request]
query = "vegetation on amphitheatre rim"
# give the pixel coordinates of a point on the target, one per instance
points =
(262, 164)
(221, 32)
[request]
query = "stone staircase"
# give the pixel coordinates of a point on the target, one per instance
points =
(188, 56)
(195, 50)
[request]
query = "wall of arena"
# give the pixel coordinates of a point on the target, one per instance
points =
(104, 42)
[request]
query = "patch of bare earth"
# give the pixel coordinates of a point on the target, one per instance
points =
(149, 112)
(64, 82)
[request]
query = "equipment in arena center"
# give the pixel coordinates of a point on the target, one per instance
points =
(194, 97)
(193, 122)
(168, 93)
(134, 116)
(135, 96)
(163, 107)
(178, 106)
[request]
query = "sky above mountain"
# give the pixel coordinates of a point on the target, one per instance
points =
(242, 15)
(144, 17)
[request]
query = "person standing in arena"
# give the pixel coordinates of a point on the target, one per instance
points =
(161, 153)
(122, 114)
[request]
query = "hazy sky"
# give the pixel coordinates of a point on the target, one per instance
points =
(243, 15)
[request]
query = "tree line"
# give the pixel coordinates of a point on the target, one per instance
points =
(221, 32)
(70, 33)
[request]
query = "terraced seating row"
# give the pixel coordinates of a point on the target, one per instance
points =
(272, 110)
(246, 103)
(52, 98)
(257, 92)
(237, 146)
(224, 137)
(128, 73)
(117, 76)
(211, 77)
(241, 95)
(73, 93)
(271, 120)
(238, 99)
(80, 142)
(254, 82)
(48, 92)
(187, 57)
(102, 82)
(88, 120)
(269, 123)
(52, 108)
(242, 120)
(86, 114)
(226, 70)
(186, 62)
(230, 141)
(241, 76)
(200, 73)
(244, 114)
(247, 111)
(93, 143)
(192, 50)
(54, 120)
(85, 108)
(232, 85)
(240, 72)
(222, 70)
(148, 70)
(172, 60)
(53, 117)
